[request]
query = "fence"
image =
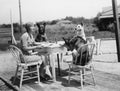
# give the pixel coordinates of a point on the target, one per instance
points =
(105, 45)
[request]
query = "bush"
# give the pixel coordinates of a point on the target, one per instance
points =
(111, 27)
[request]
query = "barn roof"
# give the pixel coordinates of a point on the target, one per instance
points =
(107, 12)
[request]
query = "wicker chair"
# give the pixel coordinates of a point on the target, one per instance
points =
(23, 65)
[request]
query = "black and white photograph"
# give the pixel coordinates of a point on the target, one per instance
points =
(59, 45)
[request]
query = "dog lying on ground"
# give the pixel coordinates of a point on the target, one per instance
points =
(74, 45)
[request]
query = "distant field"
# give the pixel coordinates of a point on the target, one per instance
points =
(56, 32)
(5, 34)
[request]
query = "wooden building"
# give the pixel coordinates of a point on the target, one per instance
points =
(106, 18)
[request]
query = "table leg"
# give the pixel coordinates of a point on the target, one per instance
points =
(62, 59)
(59, 73)
(52, 63)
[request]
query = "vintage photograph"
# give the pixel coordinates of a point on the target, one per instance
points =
(59, 45)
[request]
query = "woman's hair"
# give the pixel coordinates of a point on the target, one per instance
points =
(27, 28)
(28, 25)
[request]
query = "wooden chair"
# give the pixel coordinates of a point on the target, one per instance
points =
(23, 65)
(83, 67)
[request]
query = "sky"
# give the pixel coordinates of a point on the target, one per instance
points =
(47, 10)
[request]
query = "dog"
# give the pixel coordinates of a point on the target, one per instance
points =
(74, 42)
(41, 36)
(74, 45)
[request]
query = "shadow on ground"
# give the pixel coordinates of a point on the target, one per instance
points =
(3, 47)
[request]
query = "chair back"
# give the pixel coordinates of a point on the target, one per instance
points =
(90, 39)
(91, 47)
(17, 53)
(84, 54)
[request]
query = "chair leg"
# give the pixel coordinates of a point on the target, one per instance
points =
(21, 78)
(38, 73)
(69, 75)
(81, 78)
(30, 69)
(15, 75)
(92, 75)
(61, 60)
(83, 72)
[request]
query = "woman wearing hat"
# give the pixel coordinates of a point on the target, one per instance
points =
(28, 45)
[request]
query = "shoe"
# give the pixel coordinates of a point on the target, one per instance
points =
(47, 77)
(42, 78)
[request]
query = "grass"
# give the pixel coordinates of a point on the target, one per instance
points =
(56, 32)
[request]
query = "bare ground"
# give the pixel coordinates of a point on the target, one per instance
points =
(107, 73)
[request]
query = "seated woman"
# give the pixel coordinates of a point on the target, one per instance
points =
(41, 33)
(28, 45)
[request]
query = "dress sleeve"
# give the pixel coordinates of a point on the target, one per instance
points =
(24, 40)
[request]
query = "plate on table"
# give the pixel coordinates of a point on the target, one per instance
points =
(54, 45)
(60, 42)
(45, 44)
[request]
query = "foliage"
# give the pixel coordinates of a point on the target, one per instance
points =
(5, 26)
(55, 31)
(16, 27)
(97, 21)
(78, 20)
(75, 20)
(53, 22)
(111, 27)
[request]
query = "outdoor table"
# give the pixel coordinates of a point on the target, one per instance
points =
(52, 49)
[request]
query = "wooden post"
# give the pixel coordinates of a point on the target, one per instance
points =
(58, 59)
(20, 16)
(12, 30)
(117, 30)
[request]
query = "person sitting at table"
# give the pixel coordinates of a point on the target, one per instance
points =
(28, 45)
(41, 36)
(76, 41)
(78, 37)
(79, 34)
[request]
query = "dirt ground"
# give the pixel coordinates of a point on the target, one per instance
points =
(107, 72)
